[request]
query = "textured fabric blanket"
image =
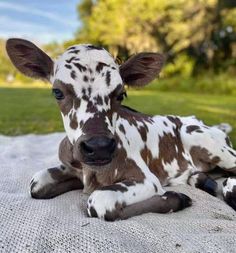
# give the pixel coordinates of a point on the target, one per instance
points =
(61, 224)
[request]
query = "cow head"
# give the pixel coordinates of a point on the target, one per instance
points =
(89, 87)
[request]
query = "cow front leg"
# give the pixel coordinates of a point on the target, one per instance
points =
(127, 199)
(52, 182)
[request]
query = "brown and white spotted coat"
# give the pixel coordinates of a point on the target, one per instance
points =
(121, 157)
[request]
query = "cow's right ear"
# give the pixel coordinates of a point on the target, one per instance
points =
(29, 59)
(142, 68)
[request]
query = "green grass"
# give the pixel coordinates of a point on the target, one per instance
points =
(34, 110)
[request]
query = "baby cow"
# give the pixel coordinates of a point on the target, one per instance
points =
(121, 157)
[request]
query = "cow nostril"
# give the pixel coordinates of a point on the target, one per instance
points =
(87, 149)
(112, 145)
(98, 147)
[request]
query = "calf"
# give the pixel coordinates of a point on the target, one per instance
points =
(121, 157)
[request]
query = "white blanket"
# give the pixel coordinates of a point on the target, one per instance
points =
(61, 224)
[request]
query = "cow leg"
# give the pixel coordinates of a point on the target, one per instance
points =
(52, 182)
(127, 199)
(229, 192)
(209, 148)
(202, 181)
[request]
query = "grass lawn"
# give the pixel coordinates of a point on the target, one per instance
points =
(34, 110)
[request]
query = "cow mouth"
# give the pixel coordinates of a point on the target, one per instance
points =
(98, 162)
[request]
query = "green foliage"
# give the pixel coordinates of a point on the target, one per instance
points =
(203, 30)
(209, 83)
(182, 66)
(6, 67)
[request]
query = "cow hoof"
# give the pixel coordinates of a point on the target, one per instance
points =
(40, 184)
(210, 186)
(229, 192)
(178, 201)
(203, 182)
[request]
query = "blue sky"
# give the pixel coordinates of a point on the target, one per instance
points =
(41, 21)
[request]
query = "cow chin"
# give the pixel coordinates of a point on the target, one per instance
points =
(97, 164)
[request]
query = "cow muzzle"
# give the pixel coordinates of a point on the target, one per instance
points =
(98, 150)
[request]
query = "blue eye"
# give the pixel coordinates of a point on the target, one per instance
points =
(58, 94)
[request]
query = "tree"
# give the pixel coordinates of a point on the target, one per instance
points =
(202, 29)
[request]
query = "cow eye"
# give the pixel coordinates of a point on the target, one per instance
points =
(58, 94)
(121, 96)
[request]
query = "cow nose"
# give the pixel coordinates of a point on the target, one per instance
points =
(99, 148)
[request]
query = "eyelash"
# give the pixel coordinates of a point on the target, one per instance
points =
(121, 96)
(58, 94)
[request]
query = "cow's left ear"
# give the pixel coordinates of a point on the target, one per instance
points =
(29, 59)
(142, 68)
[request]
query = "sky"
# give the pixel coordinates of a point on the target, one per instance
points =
(41, 21)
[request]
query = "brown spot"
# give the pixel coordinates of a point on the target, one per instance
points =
(175, 120)
(77, 102)
(128, 183)
(192, 128)
(84, 95)
(108, 78)
(85, 78)
(81, 124)
(114, 187)
(122, 129)
(57, 174)
(68, 66)
(199, 131)
(80, 67)
(154, 165)
(106, 99)
(73, 74)
(143, 132)
(57, 68)
(91, 47)
(74, 51)
(227, 140)
(70, 60)
(99, 100)
(233, 154)
(71, 48)
(155, 187)
(89, 91)
(73, 121)
(66, 151)
(100, 66)
(91, 107)
(202, 158)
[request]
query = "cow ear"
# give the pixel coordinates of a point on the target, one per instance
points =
(29, 59)
(142, 68)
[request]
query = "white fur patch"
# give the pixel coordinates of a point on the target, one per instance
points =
(230, 183)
